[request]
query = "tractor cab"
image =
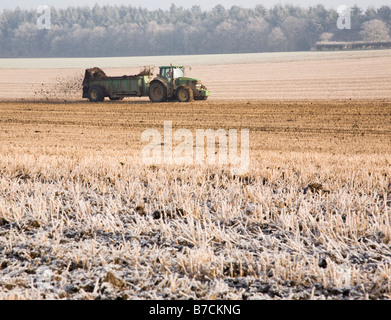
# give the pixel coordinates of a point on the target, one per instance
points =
(175, 77)
(172, 72)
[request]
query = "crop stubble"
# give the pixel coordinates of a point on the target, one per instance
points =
(82, 218)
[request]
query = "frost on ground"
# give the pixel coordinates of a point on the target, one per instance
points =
(82, 218)
(97, 228)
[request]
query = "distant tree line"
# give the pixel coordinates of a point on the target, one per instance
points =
(132, 31)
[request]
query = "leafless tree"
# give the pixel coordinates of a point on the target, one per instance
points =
(375, 30)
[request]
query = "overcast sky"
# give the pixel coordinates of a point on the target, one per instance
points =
(205, 4)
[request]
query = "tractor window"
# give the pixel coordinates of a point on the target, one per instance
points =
(178, 73)
(166, 73)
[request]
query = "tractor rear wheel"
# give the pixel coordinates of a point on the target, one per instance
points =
(96, 94)
(157, 92)
(184, 94)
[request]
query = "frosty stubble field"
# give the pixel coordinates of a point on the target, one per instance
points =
(83, 218)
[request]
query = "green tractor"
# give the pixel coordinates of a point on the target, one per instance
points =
(171, 84)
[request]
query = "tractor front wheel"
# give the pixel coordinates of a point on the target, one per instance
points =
(184, 94)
